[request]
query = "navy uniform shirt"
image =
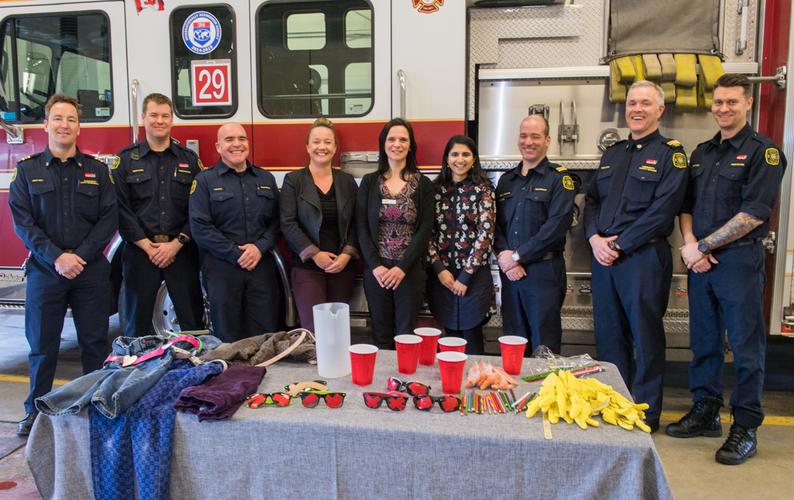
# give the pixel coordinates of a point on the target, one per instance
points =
(637, 191)
(742, 174)
(153, 190)
(228, 209)
(533, 212)
(59, 206)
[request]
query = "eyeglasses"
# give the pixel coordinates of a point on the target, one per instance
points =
(395, 401)
(412, 388)
(268, 399)
(446, 403)
(311, 399)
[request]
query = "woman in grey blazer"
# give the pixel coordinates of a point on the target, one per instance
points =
(317, 207)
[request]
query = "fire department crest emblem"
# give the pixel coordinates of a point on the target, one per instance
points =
(427, 6)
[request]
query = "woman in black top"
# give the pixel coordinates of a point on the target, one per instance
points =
(461, 287)
(317, 206)
(394, 217)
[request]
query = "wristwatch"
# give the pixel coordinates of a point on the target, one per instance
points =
(613, 245)
(702, 247)
(515, 257)
(183, 238)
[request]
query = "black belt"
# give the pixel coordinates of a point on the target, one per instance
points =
(550, 255)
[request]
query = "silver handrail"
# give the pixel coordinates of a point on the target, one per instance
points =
(10, 128)
(403, 91)
(134, 111)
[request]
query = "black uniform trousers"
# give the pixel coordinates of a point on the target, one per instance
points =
(142, 280)
(629, 301)
(394, 312)
(242, 303)
(47, 297)
(531, 306)
(730, 296)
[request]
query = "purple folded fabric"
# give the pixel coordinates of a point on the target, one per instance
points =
(221, 396)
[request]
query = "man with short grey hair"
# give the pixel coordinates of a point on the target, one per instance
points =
(630, 210)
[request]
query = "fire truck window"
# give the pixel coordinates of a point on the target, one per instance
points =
(358, 81)
(314, 57)
(306, 31)
(358, 28)
(204, 78)
(49, 53)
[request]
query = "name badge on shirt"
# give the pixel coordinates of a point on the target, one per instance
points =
(389, 201)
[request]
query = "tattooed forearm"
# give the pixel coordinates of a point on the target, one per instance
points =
(740, 225)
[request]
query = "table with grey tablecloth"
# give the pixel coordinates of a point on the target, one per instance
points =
(357, 452)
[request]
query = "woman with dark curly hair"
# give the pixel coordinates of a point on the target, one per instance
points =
(461, 288)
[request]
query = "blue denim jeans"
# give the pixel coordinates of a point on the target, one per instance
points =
(139, 441)
(114, 388)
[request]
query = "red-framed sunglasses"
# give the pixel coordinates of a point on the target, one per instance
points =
(446, 403)
(412, 388)
(268, 399)
(311, 399)
(395, 401)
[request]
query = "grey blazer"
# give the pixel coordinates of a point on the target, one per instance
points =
(301, 214)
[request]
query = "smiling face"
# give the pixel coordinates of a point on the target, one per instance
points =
(460, 161)
(157, 122)
(397, 145)
(62, 125)
(730, 107)
(321, 146)
(643, 111)
(533, 142)
(232, 145)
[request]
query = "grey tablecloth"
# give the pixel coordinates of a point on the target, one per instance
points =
(356, 452)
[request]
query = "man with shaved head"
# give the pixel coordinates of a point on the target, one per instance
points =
(534, 208)
(234, 220)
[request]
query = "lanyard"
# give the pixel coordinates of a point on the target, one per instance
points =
(132, 360)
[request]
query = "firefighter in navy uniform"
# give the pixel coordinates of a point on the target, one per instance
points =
(630, 210)
(153, 181)
(534, 208)
(735, 183)
(64, 210)
(235, 222)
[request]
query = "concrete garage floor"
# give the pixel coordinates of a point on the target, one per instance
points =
(690, 466)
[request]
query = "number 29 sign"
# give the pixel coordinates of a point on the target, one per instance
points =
(210, 82)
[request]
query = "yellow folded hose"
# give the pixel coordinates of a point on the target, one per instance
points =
(625, 69)
(710, 70)
(617, 90)
(667, 61)
(686, 71)
(669, 91)
(686, 99)
(652, 67)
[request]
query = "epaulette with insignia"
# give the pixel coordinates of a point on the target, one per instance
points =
(176, 141)
(674, 143)
(560, 168)
(29, 157)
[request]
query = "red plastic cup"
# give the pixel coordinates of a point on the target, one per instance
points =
(451, 365)
(512, 347)
(452, 344)
(362, 363)
(407, 352)
(427, 350)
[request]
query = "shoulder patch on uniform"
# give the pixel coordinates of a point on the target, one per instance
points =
(673, 143)
(193, 186)
(567, 182)
(772, 156)
(114, 161)
(13, 175)
(560, 168)
(679, 160)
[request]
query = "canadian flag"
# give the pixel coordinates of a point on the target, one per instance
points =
(149, 4)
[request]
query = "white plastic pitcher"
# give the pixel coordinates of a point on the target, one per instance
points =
(332, 330)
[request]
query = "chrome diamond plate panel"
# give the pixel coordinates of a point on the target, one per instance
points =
(731, 22)
(535, 37)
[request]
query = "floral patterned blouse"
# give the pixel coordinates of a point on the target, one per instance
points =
(463, 231)
(397, 219)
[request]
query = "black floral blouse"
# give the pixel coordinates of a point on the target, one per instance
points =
(463, 231)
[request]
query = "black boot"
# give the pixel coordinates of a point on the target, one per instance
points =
(739, 446)
(702, 420)
(24, 425)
